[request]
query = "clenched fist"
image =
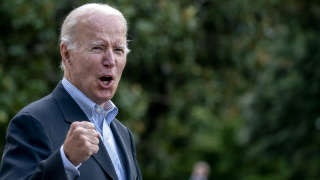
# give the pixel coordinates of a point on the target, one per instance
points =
(81, 142)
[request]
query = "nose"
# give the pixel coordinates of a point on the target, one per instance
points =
(109, 58)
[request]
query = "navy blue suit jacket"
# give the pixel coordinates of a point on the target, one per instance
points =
(36, 133)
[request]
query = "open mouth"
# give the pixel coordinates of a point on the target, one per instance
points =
(106, 79)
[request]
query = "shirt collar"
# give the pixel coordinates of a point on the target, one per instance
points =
(87, 105)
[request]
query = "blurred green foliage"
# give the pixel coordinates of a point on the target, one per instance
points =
(233, 82)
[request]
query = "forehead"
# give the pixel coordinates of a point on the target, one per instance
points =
(101, 27)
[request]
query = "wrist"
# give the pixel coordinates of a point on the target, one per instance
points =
(72, 161)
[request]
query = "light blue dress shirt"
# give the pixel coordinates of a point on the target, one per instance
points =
(101, 117)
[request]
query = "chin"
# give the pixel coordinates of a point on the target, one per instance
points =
(105, 98)
(104, 95)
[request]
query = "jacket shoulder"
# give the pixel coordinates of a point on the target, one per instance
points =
(39, 107)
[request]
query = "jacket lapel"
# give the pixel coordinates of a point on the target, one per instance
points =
(119, 135)
(104, 160)
(70, 109)
(72, 112)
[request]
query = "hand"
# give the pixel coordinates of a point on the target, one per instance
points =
(81, 142)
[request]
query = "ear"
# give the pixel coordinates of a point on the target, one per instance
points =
(65, 54)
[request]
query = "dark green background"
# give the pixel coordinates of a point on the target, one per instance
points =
(233, 82)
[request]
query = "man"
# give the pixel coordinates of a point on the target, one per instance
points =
(72, 133)
(201, 171)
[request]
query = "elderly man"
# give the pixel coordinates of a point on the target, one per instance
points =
(72, 133)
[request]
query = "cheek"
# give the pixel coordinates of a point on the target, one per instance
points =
(121, 65)
(89, 65)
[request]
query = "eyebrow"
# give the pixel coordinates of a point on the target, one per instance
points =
(99, 43)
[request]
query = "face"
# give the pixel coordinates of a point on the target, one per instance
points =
(96, 64)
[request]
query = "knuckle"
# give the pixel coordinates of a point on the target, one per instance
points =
(91, 131)
(74, 124)
(89, 124)
(96, 134)
(79, 130)
(85, 122)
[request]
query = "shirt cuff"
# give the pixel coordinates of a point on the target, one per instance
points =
(71, 170)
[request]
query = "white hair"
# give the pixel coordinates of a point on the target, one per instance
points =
(68, 27)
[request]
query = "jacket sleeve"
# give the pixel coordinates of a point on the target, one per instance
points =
(133, 147)
(28, 154)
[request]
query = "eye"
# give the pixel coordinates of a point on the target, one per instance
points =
(119, 50)
(97, 48)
